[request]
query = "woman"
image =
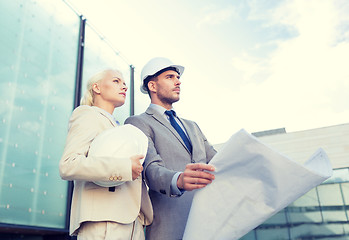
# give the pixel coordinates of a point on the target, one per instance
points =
(100, 212)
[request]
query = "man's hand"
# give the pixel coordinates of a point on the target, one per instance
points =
(195, 176)
(137, 167)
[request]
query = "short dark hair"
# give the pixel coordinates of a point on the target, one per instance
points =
(147, 79)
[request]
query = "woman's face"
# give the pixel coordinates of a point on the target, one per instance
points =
(112, 89)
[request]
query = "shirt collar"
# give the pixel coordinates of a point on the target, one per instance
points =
(108, 115)
(159, 109)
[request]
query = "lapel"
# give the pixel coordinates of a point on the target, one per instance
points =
(102, 112)
(167, 124)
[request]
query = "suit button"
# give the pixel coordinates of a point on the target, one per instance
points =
(111, 178)
(115, 178)
(119, 178)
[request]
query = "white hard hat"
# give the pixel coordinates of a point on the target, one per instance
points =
(155, 65)
(118, 143)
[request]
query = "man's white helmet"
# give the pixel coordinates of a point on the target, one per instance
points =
(155, 65)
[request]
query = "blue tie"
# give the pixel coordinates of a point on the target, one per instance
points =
(180, 131)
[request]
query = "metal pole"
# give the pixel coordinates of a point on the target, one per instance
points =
(77, 96)
(80, 61)
(319, 202)
(132, 90)
(344, 203)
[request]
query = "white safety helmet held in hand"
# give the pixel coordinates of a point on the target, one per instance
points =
(155, 65)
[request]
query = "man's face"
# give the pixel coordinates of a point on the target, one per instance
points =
(167, 87)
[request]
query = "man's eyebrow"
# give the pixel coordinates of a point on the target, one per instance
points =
(172, 74)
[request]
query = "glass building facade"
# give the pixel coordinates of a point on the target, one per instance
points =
(47, 53)
(322, 213)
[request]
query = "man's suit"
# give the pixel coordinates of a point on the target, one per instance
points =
(167, 155)
(91, 202)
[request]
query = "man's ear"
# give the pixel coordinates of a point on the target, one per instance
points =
(95, 88)
(152, 86)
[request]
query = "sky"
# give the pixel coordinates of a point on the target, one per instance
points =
(252, 64)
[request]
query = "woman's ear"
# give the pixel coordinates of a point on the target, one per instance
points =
(95, 88)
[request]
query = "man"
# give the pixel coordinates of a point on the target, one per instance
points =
(176, 162)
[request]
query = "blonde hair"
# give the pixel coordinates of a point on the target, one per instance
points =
(88, 97)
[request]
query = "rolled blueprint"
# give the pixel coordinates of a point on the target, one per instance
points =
(252, 183)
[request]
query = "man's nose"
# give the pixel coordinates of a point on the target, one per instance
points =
(178, 82)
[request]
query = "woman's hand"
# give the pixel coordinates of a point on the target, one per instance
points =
(137, 167)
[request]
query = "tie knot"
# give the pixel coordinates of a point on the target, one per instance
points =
(170, 113)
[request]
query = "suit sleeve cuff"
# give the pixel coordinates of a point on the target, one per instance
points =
(175, 191)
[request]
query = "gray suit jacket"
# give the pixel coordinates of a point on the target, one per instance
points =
(167, 154)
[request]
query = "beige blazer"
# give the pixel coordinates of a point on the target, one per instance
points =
(91, 202)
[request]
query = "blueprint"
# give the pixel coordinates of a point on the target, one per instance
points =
(252, 183)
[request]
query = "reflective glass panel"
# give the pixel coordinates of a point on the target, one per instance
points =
(305, 216)
(38, 48)
(99, 55)
(307, 231)
(272, 234)
(305, 209)
(338, 176)
(310, 199)
(331, 201)
(249, 236)
(278, 218)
